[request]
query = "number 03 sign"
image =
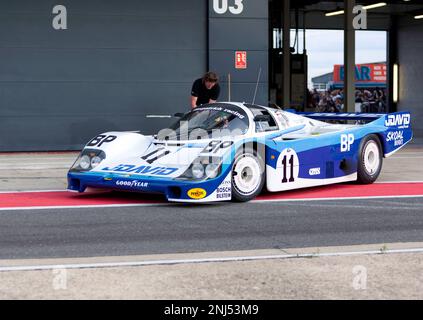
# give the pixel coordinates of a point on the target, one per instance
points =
(222, 6)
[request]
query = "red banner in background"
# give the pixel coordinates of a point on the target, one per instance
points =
(364, 73)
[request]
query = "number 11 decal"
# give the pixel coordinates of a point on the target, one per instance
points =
(291, 166)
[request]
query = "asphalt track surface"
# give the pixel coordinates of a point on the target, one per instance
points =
(67, 225)
(175, 228)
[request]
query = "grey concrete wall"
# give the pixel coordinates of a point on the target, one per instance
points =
(116, 62)
(410, 56)
(246, 31)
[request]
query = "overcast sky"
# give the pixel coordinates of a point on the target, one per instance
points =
(325, 48)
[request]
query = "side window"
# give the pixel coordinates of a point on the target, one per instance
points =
(283, 120)
(263, 126)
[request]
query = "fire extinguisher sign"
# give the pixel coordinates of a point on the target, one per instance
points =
(240, 59)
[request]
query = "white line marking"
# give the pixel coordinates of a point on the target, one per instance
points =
(36, 158)
(339, 198)
(88, 206)
(181, 203)
(384, 207)
(382, 182)
(63, 190)
(408, 157)
(32, 191)
(203, 260)
(33, 168)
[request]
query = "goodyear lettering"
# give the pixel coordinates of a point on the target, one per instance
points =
(133, 183)
(197, 193)
(393, 120)
(157, 171)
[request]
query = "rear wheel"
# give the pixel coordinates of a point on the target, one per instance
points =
(247, 176)
(369, 159)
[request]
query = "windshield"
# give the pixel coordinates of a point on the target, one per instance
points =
(210, 121)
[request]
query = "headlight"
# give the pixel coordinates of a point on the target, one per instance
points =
(203, 168)
(197, 170)
(95, 161)
(212, 170)
(85, 162)
(88, 159)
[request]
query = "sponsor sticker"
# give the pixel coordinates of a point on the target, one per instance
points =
(288, 165)
(314, 171)
(133, 183)
(197, 193)
(401, 120)
(146, 170)
(346, 142)
(396, 136)
(224, 190)
(224, 193)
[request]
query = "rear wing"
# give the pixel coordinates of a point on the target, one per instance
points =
(393, 129)
(341, 116)
(397, 131)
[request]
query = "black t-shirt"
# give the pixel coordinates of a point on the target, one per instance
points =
(203, 94)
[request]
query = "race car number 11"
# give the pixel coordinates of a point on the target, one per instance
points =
(290, 165)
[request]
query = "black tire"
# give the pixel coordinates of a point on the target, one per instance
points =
(240, 194)
(369, 163)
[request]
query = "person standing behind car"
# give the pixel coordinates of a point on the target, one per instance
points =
(205, 90)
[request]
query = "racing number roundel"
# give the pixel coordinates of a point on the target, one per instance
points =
(289, 164)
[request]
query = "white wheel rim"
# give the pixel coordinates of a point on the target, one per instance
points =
(371, 158)
(246, 174)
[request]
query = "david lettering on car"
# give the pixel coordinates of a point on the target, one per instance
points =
(159, 171)
(401, 119)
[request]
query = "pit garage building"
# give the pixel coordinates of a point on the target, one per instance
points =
(118, 62)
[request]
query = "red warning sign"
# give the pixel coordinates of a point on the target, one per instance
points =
(240, 59)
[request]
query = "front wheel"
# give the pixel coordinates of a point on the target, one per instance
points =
(248, 176)
(369, 159)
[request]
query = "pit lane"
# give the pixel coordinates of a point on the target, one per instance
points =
(123, 224)
(170, 228)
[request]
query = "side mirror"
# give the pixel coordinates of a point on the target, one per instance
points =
(179, 115)
(262, 117)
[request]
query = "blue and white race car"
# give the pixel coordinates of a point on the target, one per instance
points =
(225, 151)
